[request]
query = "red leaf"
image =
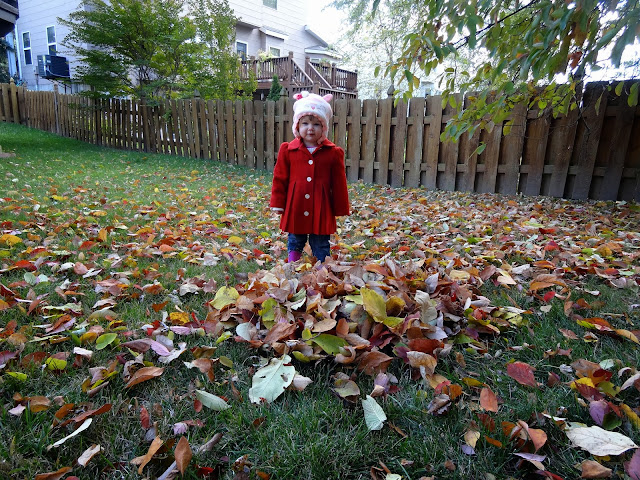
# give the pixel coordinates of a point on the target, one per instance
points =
(522, 373)
(145, 418)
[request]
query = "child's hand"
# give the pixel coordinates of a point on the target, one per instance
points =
(277, 210)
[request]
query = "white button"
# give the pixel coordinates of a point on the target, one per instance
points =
(310, 162)
(307, 196)
(306, 214)
(308, 179)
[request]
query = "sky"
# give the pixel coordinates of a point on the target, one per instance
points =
(324, 20)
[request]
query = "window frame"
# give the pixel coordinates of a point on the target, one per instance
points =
(54, 43)
(246, 49)
(27, 48)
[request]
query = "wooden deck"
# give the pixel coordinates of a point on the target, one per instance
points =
(314, 77)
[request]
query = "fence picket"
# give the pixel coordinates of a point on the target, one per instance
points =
(534, 153)
(269, 133)
(415, 138)
(260, 125)
(619, 143)
(383, 141)
(432, 144)
(398, 144)
(367, 156)
(250, 129)
(354, 129)
(449, 152)
(588, 138)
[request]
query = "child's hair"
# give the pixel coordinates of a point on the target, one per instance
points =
(314, 105)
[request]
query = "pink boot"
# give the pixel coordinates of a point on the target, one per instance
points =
(294, 256)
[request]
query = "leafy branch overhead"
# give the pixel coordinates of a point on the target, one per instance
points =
(517, 47)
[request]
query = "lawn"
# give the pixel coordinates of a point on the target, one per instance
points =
(453, 335)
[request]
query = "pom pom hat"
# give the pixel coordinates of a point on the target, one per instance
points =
(315, 105)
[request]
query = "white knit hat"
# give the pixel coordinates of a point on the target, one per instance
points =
(315, 105)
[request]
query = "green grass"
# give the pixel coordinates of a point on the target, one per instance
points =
(58, 194)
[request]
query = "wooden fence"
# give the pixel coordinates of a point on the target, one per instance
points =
(595, 154)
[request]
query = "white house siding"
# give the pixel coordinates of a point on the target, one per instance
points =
(35, 17)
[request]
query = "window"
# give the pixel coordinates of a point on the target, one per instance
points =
(274, 52)
(241, 50)
(26, 47)
(51, 40)
(270, 3)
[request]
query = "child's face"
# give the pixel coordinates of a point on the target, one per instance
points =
(310, 129)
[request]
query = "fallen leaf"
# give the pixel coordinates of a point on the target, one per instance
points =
(270, 381)
(522, 373)
(488, 400)
(374, 415)
(182, 454)
(593, 469)
(144, 374)
(598, 441)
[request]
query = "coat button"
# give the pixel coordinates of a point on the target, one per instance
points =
(310, 162)
(308, 179)
(306, 214)
(307, 196)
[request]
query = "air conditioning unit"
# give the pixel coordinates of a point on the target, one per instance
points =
(53, 66)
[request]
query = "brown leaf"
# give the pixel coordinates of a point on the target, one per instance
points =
(143, 460)
(488, 400)
(440, 405)
(374, 362)
(144, 374)
(522, 373)
(182, 454)
(53, 475)
(592, 469)
(279, 331)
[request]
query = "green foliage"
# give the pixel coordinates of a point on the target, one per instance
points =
(274, 91)
(149, 49)
(4, 67)
(519, 45)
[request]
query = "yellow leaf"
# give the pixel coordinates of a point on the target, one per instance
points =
(235, 240)
(225, 296)
(631, 415)
(179, 318)
(10, 240)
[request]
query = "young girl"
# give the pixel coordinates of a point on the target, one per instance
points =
(309, 182)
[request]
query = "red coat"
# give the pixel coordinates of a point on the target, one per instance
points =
(311, 188)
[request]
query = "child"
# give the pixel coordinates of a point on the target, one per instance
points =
(309, 182)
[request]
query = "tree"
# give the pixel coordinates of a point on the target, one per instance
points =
(149, 49)
(216, 70)
(373, 38)
(525, 45)
(5, 48)
(274, 91)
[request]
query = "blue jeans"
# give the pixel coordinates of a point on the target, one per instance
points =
(319, 244)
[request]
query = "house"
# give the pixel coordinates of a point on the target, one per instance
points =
(266, 29)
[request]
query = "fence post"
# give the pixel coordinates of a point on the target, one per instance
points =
(333, 75)
(14, 101)
(55, 108)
